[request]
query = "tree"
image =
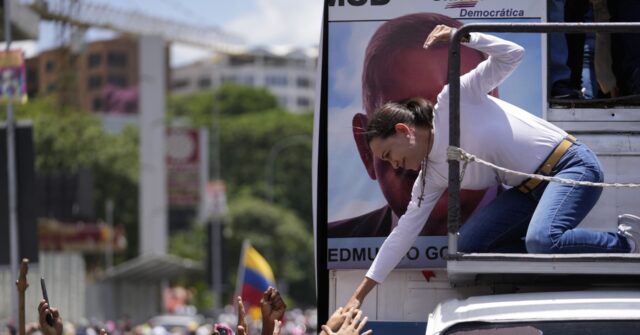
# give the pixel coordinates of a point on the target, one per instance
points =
(230, 100)
(268, 155)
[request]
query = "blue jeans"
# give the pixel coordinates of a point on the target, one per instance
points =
(545, 219)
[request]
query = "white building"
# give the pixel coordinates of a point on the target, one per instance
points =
(290, 75)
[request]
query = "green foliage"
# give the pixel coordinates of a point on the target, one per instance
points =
(64, 140)
(280, 236)
(231, 99)
(234, 99)
(191, 243)
(268, 155)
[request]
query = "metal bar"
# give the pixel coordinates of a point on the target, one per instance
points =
(216, 220)
(454, 92)
(453, 206)
(11, 173)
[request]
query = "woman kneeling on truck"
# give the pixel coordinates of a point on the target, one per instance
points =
(531, 216)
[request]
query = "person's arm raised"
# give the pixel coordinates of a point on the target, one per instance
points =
(361, 292)
(504, 58)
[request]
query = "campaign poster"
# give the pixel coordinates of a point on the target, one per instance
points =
(13, 83)
(184, 162)
(365, 196)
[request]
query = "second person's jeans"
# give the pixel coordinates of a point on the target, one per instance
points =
(545, 219)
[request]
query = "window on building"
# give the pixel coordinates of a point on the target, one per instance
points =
(303, 82)
(51, 87)
(300, 63)
(276, 80)
(204, 82)
(117, 59)
(246, 80)
(95, 59)
(275, 61)
(180, 83)
(50, 66)
(241, 60)
(228, 79)
(303, 102)
(117, 80)
(94, 82)
(96, 104)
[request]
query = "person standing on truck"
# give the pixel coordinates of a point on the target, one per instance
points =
(531, 216)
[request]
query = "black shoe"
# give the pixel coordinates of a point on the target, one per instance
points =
(562, 89)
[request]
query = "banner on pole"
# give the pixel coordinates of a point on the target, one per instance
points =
(13, 78)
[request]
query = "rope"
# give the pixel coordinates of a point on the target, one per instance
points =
(454, 153)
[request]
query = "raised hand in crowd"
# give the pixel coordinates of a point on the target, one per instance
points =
(273, 308)
(242, 328)
(336, 319)
(352, 324)
(45, 328)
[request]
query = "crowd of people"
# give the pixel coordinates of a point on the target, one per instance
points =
(275, 320)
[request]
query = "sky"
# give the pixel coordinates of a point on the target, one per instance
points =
(271, 23)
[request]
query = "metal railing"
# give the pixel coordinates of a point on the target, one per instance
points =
(454, 89)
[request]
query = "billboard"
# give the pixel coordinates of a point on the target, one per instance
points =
(372, 53)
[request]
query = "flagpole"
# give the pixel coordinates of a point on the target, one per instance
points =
(241, 266)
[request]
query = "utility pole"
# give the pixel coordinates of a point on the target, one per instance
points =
(11, 173)
(215, 237)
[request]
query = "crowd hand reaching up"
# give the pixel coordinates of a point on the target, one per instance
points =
(337, 318)
(273, 308)
(45, 328)
(352, 325)
(242, 328)
(440, 33)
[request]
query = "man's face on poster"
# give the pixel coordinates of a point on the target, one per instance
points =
(412, 73)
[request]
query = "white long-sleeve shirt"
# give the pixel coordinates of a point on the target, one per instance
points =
(491, 129)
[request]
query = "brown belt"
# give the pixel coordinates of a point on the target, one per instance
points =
(545, 169)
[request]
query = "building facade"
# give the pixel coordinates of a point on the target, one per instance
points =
(289, 76)
(103, 77)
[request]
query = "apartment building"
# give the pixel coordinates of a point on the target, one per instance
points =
(290, 75)
(89, 78)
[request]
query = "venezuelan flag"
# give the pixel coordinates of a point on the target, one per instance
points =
(256, 276)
